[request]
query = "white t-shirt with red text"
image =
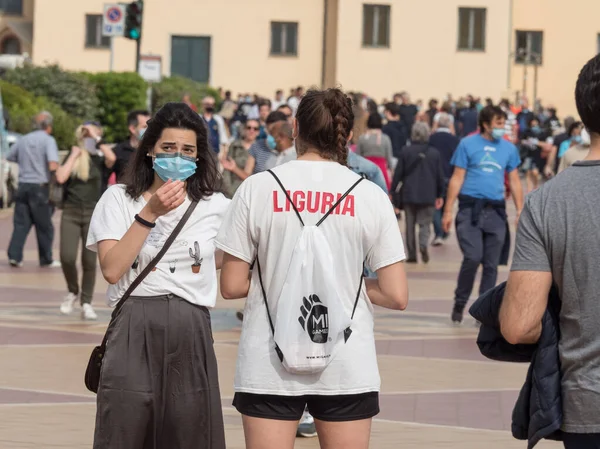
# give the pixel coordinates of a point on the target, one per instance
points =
(262, 222)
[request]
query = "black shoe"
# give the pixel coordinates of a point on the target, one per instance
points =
(240, 315)
(457, 313)
(425, 255)
(411, 260)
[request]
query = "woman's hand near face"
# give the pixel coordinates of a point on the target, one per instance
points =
(168, 197)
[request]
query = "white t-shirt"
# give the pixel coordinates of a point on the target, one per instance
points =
(260, 222)
(177, 272)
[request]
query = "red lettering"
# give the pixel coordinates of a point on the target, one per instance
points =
(312, 208)
(349, 206)
(327, 202)
(287, 202)
(337, 209)
(276, 207)
(299, 200)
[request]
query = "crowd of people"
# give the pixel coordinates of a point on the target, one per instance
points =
(260, 189)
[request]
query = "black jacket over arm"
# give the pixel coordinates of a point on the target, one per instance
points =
(538, 411)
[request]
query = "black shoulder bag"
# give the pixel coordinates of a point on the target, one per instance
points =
(398, 196)
(92, 373)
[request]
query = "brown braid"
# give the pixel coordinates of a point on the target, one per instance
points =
(325, 120)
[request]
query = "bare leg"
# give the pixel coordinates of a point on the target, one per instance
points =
(263, 433)
(535, 178)
(344, 435)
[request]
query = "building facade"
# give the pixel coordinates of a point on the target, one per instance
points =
(488, 48)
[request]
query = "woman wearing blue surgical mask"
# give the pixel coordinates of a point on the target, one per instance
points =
(574, 133)
(159, 377)
(81, 176)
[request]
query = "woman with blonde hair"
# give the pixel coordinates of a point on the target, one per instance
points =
(81, 176)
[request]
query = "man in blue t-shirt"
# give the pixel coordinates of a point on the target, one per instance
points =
(480, 162)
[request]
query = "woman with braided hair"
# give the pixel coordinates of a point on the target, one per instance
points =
(270, 212)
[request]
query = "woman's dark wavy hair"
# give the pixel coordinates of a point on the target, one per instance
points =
(325, 120)
(140, 174)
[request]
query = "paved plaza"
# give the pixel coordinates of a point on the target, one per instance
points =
(437, 390)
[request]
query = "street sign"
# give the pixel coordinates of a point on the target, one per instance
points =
(150, 68)
(113, 20)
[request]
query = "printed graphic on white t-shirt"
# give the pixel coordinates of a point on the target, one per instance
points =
(262, 222)
(188, 267)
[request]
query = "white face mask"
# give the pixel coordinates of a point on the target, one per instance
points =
(585, 138)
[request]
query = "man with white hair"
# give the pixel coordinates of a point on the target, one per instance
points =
(445, 142)
(37, 156)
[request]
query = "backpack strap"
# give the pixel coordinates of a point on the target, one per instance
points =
(287, 195)
(338, 202)
(264, 293)
(348, 331)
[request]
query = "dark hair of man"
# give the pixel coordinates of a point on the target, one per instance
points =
(488, 114)
(140, 174)
(275, 116)
(587, 95)
(393, 109)
(284, 106)
(264, 102)
(531, 120)
(325, 120)
(133, 117)
(374, 121)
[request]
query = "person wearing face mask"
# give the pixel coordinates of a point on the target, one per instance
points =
(577, 152)
(158, 385)
(480, 162)
(532, 150)
(81, 176)
(281, 140)
(574, 133)
(217, 132)
(136, 124)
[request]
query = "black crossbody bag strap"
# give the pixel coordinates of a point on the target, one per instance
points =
(138, 280)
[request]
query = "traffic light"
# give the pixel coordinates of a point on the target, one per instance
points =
(133, 20)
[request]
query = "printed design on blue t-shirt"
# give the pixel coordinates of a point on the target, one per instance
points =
(489, 164)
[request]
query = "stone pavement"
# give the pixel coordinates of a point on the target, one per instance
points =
(438, 391)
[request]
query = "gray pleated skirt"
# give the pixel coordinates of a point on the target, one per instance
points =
(159, 386)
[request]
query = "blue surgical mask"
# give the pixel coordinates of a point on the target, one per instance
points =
(174, 166)
(141, 133)
(498, 133)
(271, 142)
(536, 129)
(577, 139)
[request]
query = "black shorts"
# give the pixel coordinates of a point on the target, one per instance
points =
(338, 408)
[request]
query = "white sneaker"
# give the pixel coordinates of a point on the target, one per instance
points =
(88, 313)
(306, 428)
(15, 264)
(54, 264)
(67, 306)
(438, 241)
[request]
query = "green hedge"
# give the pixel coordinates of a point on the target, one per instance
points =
(118, 93)
(22, 108)
(73, 92)
(73, 98)
(173, 88)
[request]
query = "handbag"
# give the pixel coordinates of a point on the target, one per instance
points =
(398, 196)
(94, 367)
(56, 192)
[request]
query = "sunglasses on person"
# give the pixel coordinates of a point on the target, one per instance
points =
(252, 128)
